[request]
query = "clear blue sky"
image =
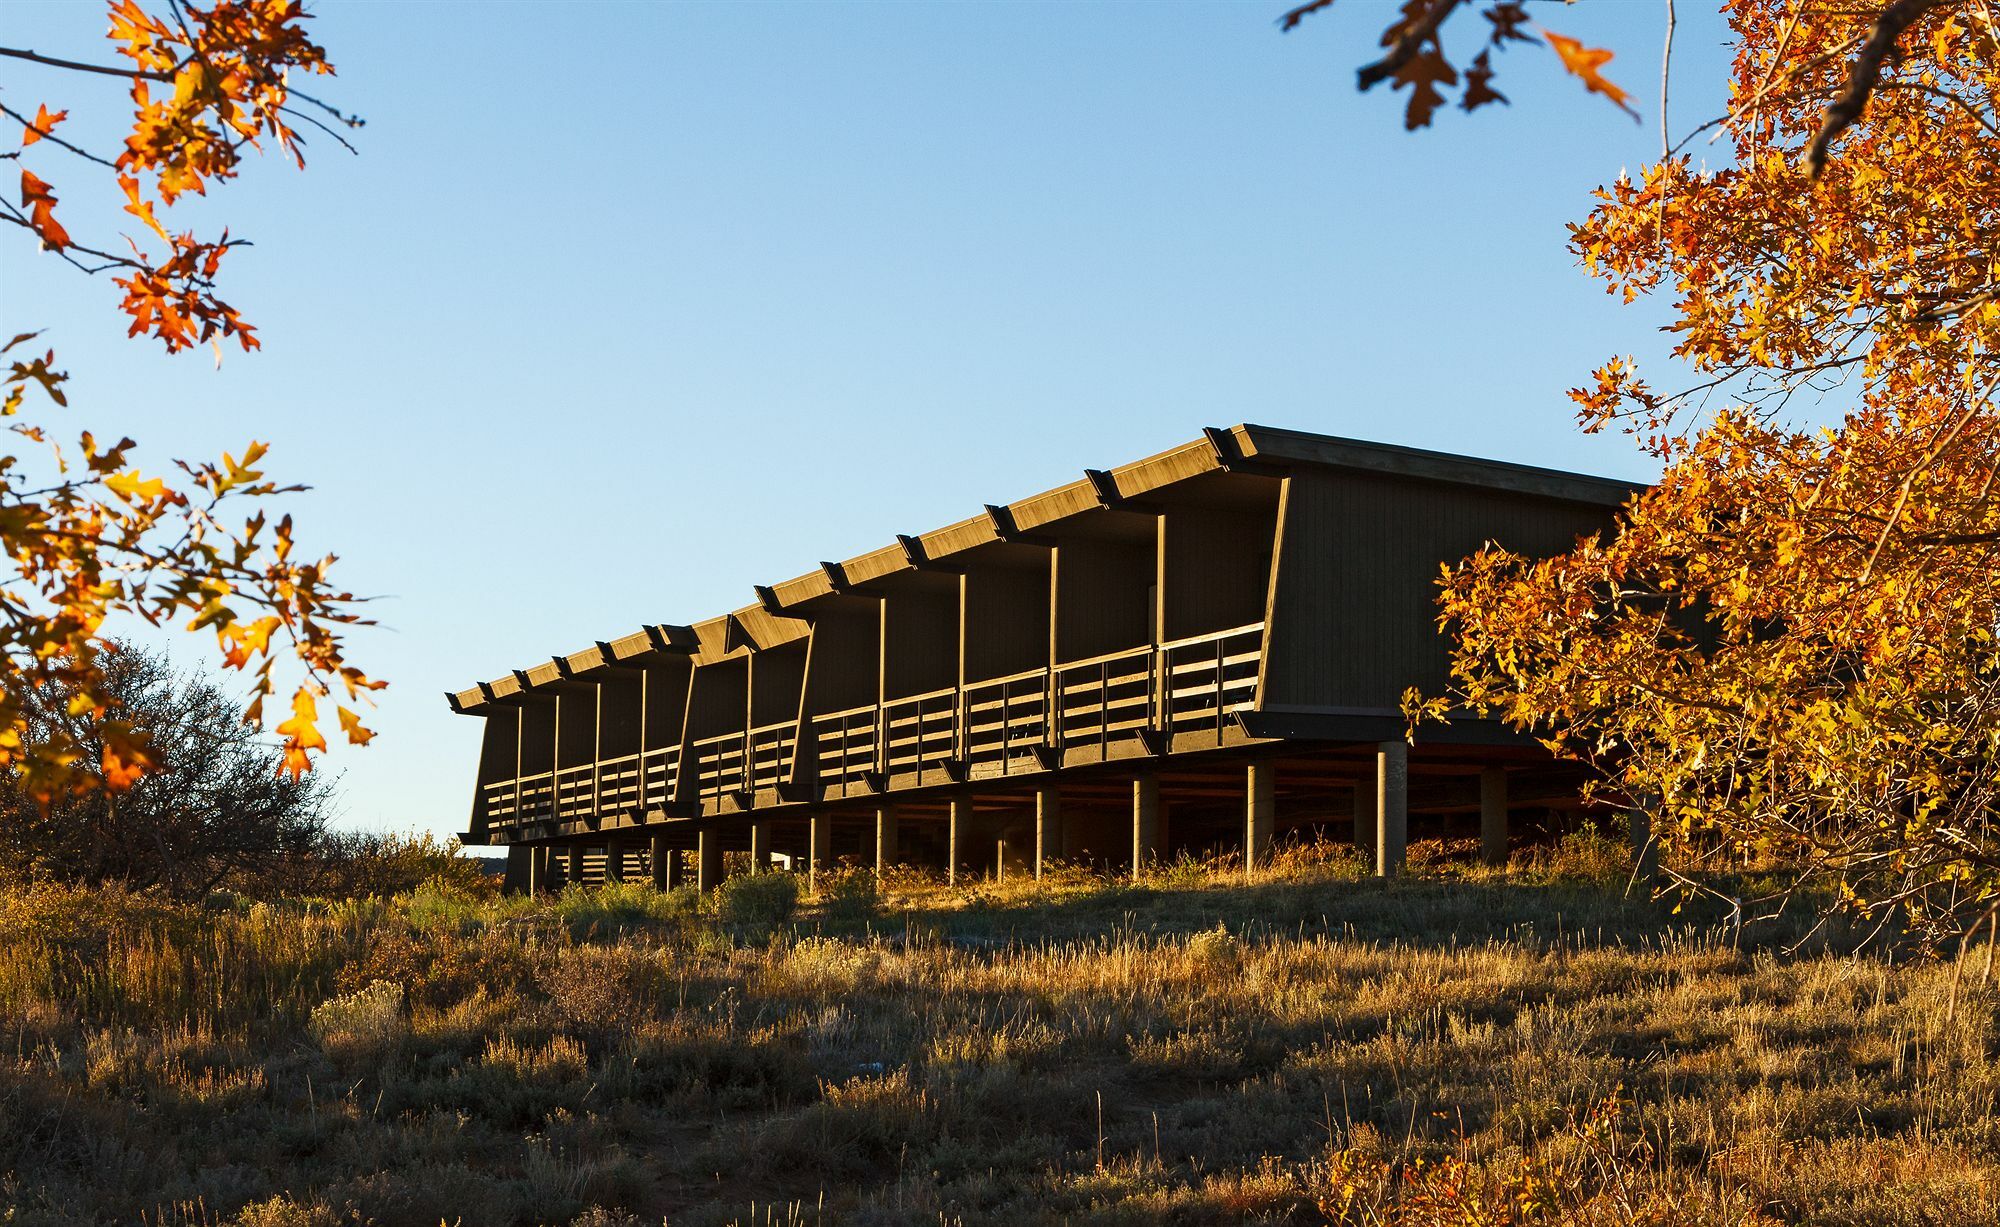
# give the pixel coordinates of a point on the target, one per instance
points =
(625, 308)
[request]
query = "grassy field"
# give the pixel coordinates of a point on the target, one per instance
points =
(1459, 1047)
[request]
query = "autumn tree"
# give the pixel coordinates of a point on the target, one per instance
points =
(1788, 645)
(217, 811)
(89, 535)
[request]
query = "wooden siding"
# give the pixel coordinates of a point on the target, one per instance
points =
(1214, 564)
(1352, 612)
(919, 635)
(1103, 596)
(1006, 621)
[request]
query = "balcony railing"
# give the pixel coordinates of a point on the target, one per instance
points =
(997, 726)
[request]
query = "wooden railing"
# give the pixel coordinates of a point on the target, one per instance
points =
(1104, 698)
(768, 751)
(623, 785)
(920, 733)
(1002, 721)
(1204, 678)
(845, 748)
(993, 726)
(718, 765)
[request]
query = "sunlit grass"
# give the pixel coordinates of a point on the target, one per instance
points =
(1309, 1046)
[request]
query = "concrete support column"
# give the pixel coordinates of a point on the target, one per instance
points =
(887, 838)
(960, 812)
(1493, 815)
(1392, 806)
(573, 864)
(1260, 813)
(1048, 826)
(614, 859)
(535, 872)
(708, 860)
(662, 863)
(760, 846)
(819, 836)
(1145, 822)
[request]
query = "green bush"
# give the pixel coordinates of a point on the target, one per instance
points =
(757, 899)
(851, 895)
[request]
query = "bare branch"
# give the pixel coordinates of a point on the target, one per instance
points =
(1843, 112)
(76, 66)
(53, 139)
(1415, 35)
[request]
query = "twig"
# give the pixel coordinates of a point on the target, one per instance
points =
(1666, 73)
(38, 58)
(355, 121)
(1415, 35)
(25, 122)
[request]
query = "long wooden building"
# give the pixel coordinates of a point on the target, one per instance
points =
(1198, 651)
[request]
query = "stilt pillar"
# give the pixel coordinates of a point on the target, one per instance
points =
(819, 834)
(708, 860)
(1493, 815)
(614, 859)
(1392, 806)
(887, 838)
(1048, 826)
(1260, 813)
(760, 850)
(573, 865)
(1145, 822)
(960, 811)
(663, 862)
(535, 872)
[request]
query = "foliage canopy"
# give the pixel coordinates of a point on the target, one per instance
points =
(88, 535)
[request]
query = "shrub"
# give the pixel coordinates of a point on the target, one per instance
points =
(367, 1023)
(758, 899)
(851, 895)
(1214, 949)
(348, 866)
(617, 906)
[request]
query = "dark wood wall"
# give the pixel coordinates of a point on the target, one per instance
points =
(666, 702)
(538, 735)
(920, 635)
(776, 675)
(1103, 596)
(843, 668)
(1353, 600)
(623, 704)
(1214, 563)
(1006, 627)
(718, 699)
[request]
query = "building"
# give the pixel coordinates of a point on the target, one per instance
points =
(1196, 651)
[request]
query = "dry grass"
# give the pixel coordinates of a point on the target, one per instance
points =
(1461, 1047)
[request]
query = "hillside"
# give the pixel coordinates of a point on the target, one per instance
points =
(1457, 1047)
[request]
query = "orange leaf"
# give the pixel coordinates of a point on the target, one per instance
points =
(301, 733)
(41, 202)
(141, 209)
(351, 724)
(44, 124)
(1584, 62)
(125, 763)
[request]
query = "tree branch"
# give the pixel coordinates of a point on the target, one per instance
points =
(75, 66)
(1843, 112)
(1415, 35)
